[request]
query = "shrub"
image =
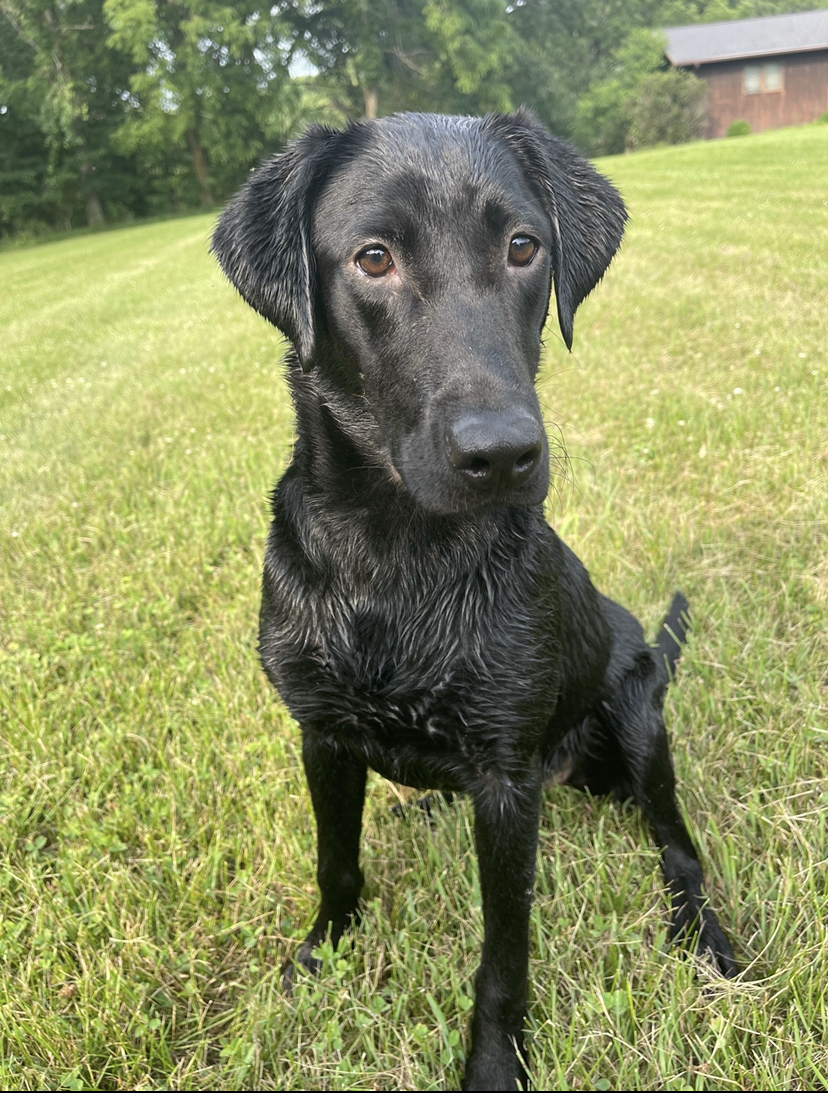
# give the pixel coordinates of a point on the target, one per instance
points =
(666, 108)
(601, 121)
(642, 103)
(739, 128)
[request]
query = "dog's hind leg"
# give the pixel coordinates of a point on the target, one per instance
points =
(337, 787)
(633, 717)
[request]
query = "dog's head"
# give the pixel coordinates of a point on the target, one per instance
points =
(411, 261)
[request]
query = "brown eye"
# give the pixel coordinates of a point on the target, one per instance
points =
(376, 261)
(521, 250)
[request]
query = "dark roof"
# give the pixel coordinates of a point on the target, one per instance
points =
(740, 38)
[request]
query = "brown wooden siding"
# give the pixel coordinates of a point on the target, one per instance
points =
(803, 96)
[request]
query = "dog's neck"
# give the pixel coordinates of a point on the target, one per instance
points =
(341, 451)
(354, 506)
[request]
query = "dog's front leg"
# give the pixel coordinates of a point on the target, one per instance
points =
(337, 787)
(506, 817)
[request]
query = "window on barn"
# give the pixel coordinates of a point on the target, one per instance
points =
(753, 79)
(759, 78)
(772, 77)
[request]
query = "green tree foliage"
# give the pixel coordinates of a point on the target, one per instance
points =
(377, 56)
(677, 13)
(203, 95)
(61, 87)
(475, 46)
(602, 121)
(666, 108)
(569, 47)
(371, 56)
(23, 152)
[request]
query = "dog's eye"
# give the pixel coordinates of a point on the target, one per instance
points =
(521, 250)
(376, 261)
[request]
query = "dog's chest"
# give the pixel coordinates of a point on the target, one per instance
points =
(426, 663)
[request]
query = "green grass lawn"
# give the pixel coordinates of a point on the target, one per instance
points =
(156, 837)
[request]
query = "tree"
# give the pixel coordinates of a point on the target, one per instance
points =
(602, 122)
(475, 45)
(23, 152)
(206, 77)
(378, 56)
(62, 87)
(569, 47)
(369, 54)
(666, 108)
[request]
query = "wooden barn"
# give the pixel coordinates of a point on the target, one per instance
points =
(770, 72)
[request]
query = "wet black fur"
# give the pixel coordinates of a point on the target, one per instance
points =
(440, 634)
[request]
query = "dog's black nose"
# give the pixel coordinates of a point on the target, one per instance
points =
(495, 450)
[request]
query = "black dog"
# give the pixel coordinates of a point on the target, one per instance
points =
(418, 614)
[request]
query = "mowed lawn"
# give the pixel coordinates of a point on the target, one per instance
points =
(156, 835)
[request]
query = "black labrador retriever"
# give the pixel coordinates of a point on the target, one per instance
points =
(418, 614)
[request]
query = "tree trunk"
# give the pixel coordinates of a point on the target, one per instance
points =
(200, 167)
(91, 197)
(94, 209)
(371, 101)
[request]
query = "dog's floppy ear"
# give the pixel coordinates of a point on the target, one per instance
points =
(264, 237)
(587, 212)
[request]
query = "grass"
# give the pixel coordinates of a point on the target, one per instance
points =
(156, 840)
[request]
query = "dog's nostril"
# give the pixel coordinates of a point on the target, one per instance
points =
(478, 466)
(527, 461)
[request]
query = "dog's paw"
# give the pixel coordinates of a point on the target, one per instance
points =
(305, 963)
(715, 948)
(496, 1062)
(699, 929)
